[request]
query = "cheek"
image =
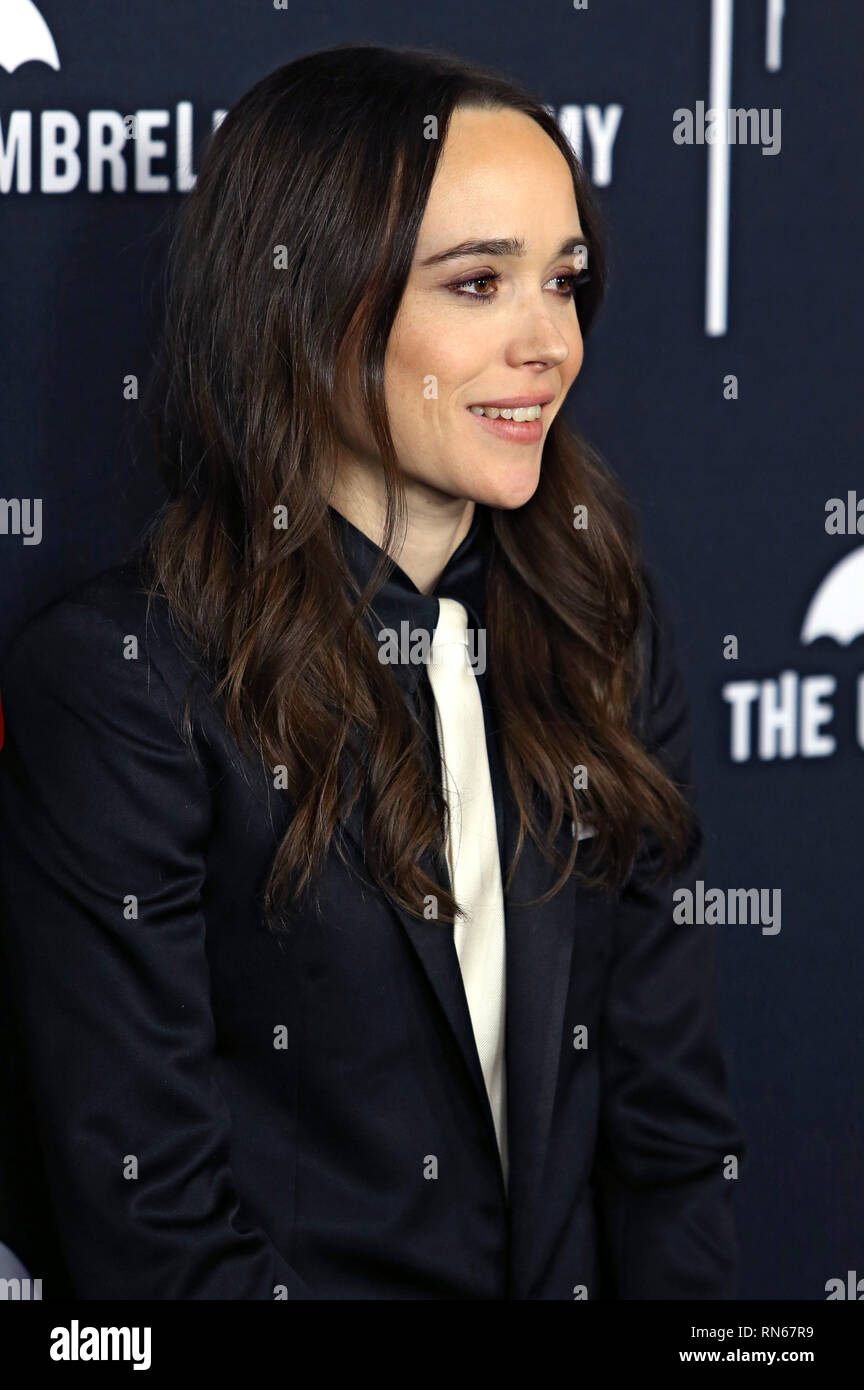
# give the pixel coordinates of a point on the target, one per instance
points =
(428, 362)
(406, 365)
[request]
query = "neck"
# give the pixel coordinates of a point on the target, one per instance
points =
(437, 523)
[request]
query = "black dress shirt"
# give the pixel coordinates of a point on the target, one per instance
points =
(398, 600)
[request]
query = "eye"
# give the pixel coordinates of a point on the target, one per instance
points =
(568, 281)
(571, 280)
(459, 286)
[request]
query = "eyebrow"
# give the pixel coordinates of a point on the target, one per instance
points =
(508, 246)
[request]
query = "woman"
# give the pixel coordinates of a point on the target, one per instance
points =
(344, 960)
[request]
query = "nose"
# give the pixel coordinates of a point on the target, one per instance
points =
(537, 337)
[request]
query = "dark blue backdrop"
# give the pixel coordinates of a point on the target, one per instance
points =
(731, 492)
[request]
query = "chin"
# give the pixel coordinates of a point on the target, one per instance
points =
(506, 492)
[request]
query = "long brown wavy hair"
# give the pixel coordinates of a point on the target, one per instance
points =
(328, 158)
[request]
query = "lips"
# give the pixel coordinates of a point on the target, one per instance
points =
(516, 402)
(502, 423)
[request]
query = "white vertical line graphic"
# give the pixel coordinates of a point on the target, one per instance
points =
(774, 12)
(719, 99)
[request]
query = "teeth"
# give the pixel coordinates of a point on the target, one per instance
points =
(522, 413)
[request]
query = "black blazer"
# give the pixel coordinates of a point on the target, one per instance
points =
(223, 1113)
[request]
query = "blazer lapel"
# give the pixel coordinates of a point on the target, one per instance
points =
(435, 948)
(539, 948)
(539, 952)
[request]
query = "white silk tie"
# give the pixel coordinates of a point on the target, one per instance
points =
(472, 849)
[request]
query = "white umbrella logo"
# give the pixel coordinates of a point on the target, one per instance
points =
(25, 37)
(837, 608)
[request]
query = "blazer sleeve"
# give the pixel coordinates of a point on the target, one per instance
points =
(103, 806)
(662, 1176)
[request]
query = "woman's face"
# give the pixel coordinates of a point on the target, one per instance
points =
(487, 326)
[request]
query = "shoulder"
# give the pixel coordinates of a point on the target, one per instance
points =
(102, 776)
(83, 633)
(658, 627)
(106, 656)
(661, 708)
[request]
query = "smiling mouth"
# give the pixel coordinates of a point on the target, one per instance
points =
(516, 422)
(520, 414)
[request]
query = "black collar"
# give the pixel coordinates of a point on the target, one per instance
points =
(399, 601)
